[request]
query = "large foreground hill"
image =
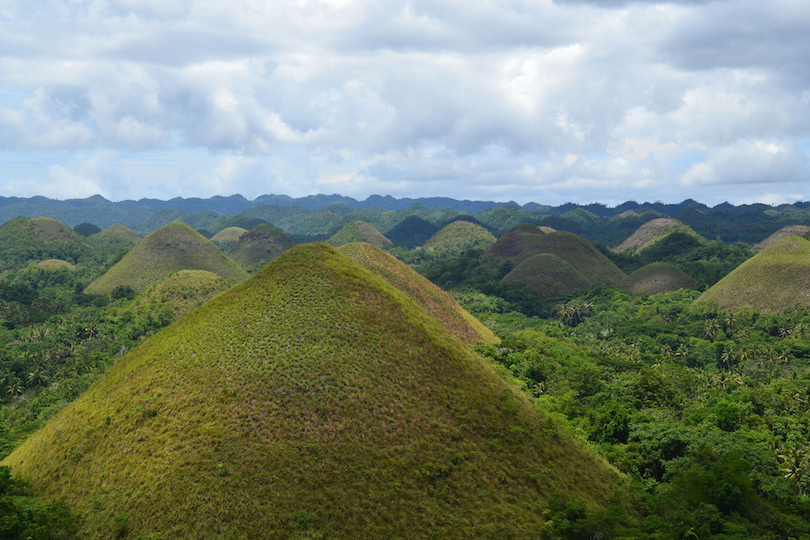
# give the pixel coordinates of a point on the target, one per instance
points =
(313, 400)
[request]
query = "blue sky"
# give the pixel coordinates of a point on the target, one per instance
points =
(577, 100)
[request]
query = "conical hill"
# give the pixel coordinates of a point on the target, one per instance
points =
(547, 275)
(654, 231)
(260, 245)
(227, 237)
(171, 248)
(525, 241)
(114, 240)
(25, 240)
(359, 231)
(458, 237)
(179, 293)
(313, 400)
(658, 278)
(790, 230)
(775, 278)
(434, 300)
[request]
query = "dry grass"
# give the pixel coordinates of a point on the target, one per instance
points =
(657, 278)
(654, 231)
(55, 264)
(359, 231)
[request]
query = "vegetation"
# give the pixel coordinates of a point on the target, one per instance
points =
(654, 231)
(657, 278)
(259, 246)
(25, 240)
(457, 237)
(226, 238)
(359, 231)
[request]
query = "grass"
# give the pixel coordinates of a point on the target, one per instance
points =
(458, 237)
(24, 240)
(775, 278)
(180, 293)
(658, 278)
(226, 238)
(434, 300)
(259, 246)
(654, 231)
(55, 264)
(548, 275)
(359, 231)
(313, 400)
(790, 230)
(169, 249)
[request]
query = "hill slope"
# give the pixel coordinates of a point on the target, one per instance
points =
(657, 278)
(171, 248)
(652, 232)
(547, 275)
(312, 400)
(773, 279)
(435, 301)
(359, 231)
(226, 238)
(23, 240)
(458, 237)
(791, 230)
(260, 245)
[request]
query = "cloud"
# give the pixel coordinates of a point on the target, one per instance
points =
(751, 162)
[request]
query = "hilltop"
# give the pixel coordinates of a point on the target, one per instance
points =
(790, 230)
(312, 400)
(435, 301)
(179, 293)
(775, 278)
(226, 238)
(458, 237)
(654, 231)
(260, 245)
(359, 231)
(24, 240)
(171, 248)
(547, 275)
(658, 278)
(114, 240)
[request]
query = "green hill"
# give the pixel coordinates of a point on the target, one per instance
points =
(654, 231)
(227, 238)
(548, 275)
(314, 400)
(458, 237)
(55, 264)
(657, 278)
(435, 301)
(114, 240)
(179, 293)
(412, 231)
(24, 240)
(775, 278)
(359, 231)
(791, 230)
(171, 248)
(525, 241)
(259, 246)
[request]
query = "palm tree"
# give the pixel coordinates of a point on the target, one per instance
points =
(712, 328)
(727, 357)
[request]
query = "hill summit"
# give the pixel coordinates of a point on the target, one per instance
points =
(773, 279)
(171, 248)
(260, 245)
(359, 231)
(654, 231)
(312, 400)
(458, 237)
(24, 240)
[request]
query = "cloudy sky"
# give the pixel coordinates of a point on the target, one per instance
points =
(524, 100)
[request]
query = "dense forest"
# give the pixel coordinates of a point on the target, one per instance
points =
(701, 406)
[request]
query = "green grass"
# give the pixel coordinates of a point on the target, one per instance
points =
(548, 275)
(790, 230)
(259, 246)
(24, 240)
(226, 238)
(458, 237)
(657, 278)
(169, 249)
(180, 293)
(314, 400)
(434, 300)
(775, 278)
(359, 231)
(654, 231)
(55, 264)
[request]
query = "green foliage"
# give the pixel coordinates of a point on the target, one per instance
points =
(23, 516)
(359, 231)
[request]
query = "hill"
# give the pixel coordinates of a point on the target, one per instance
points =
(775, 278)
(548, 275)
(458, 237)
(114, 240)
(525, 241)
(313, 400)
(657, 278)
(171, 248)
(24, 240)
(259, 246)
(791, 230)
(412, 231)
(179, 293)
(359, 231)
(654, 231)
(435, 301)
(55, 264)
(227, 238)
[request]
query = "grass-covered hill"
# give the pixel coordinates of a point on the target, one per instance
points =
(458, 237)
(226, 238)
(412, 231)
(548, 275)
(55, 264)
(434, 300)
(171, 248)
(658, 278)
(260, 245)
(654, 231)
(359, 231)
(179, 293)
(790, 230)
(24, 240)
(775, 278)
(114, 240)
(525, 241)
(314, 400)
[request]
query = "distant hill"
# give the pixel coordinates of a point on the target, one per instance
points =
(114, 240)
(171, 248)
(359, 231)
(658, 278)
(458, 237)
(24, 240)
(435, 301)
(654, 231)
(55, 264)
(412, 231)
(179, 293)
(314, 400)
(226, 238)
(775, 278)
(548, 275)
(525, 241)
(259, 246)
(791, 230)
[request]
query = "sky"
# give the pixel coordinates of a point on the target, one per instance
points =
(524, 100)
